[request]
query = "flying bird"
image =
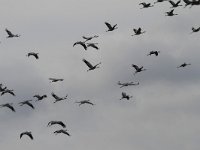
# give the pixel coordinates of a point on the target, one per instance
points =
(175, 4)
(170, 13)
(127, 84)
(84, 102)
(29, 134)
(153, 53)
(58, 98)
(93, 45)
(56, 122)
(27, 102)
(89, 38)
(39, 98)
(10, 34)
(8, 91)
(90, 66)
(110, 27)
(55, 80)
(159, 1)
(192, 2)
(62, 131)
(125, 96)
(195, 29)
(8, 105)
(138, 69)
(138, 31)
(145, 5)
(33, 54)
(183, 65)
(81, 43)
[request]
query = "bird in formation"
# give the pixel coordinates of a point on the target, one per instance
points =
(153, 53)
(85, 102)
(62, 131)
(93, 45)
(138, 69)
(89, 38)
(127, 84)
(39, 98)
(159, 1)
(195, 29)
(8, 105)
(192, 2)
(27, 102)
(55, 80)
(170, 13)
(10, 34)
(125, 96)
(183, 65)
(57, 99)
(175, 4)
(145, 5)
(56, 122)
(138, 31)
(28, 133)
(81, 43)
(110, 27)
(7, 91)
(90, 66)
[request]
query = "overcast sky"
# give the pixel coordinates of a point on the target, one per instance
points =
(164, 111)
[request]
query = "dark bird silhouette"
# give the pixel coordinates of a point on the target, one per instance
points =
(62, 131)
(39, 98)
(153, 53)
(138, 69)
(29, 134)
(138, 31)
(8, 105)
(125, 96)
(170, 13)
(145, 5)
(33, 54)
(195, 29)
(2, 88)
(10, 34)
(84, 102)
(27, 102)
(159, 1)
(55, 80)
(56, 122)
(183, 65)
(110, 27)
(192, 2)
(93, 45)
(174, 5)
(90, 66)
(127, 84)
(57, 99)
(81, 43)
(8, 91)
(89, 38)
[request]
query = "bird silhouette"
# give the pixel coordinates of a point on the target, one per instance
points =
(27, 102)
(138, 31)
(90, 66)
(33, 54)
(192, 2)
(145, 5)
(81, 43)
(56, 122)
(175, 4)
(159, 1)
(55, 80)
(8, 105)
(84, 102)
(10, 34)
(57, 99)
(8, 91)
(195, 29)
(29, 134)
(183, 65)
(39, 98)
(110, 27)
(89, 38)
(62, 131)
(125, 96)
(2, 88)
(153, 53)
(127, 84)
(170, 13)
(138, 69)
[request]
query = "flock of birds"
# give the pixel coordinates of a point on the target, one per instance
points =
(86, 44)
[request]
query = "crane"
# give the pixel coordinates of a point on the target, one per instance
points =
(183, 65)
(145, 5)
(195, 29)
(159, 1)
(27, 102)
(28, 133)
(10, 34)
(153, 53)
(62, 131)
(170, 13)
(8, 91)
(90, 66)
(175, 4)
(56, 122)
(33, 54)
(39, 98)
(125, 96)
(55, 79)
(110, 27)
(93, 45)
(58, 98)
(127, 84)
(84, 102)
(138, 69)
(138, 31)
(8, 105)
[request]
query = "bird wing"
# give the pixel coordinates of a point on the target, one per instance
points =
(21, 135)
(172, 3)
(108, 25)
(62, 124)
(29, 104)
(55, 96)
(30, 135)
(87, 63)
(187, 1)
(9, 32)
(92, 45)
(11, 107)
(135, 30)
(135, 66)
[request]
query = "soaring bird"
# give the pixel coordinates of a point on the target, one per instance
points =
(170, 13)
(90, 66)
(81, 43)
(58, 98)
(33, 54)
(56, 122)
(62, 131)
(124, 95)
(10, 34)
(9, 105)
(138, 69)
(89, 38)
(158, 1)
(84, 102)
(195, 29)
(39, 98)
(55, 80)
(153, 53)
(8, 91)
(145, 5)
(29, 134)
(174, 5)
(183, 65)
(127, 84)
(92, 45)
(27, 102)
(138, 31)
(110, 27)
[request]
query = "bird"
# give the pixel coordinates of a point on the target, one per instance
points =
(127, 84)
(84, 102)
(90, 66)
(58, 98)
(145, 5)
(29, 134)
(81, 43)
(138, 69)
(33, 54)
(158, 1)
(124, 95)
(55, 80)
(56, 122)
(9, 105)
(92, 45)
(27, 102)
(39, 98)
(170, 13)
(10, 34)
(89, 38)
(183, 65)
(174, 5)
(110, 27)
(8, 91)
(153, 53)
(62, 131)
(195, 29)
(192, 3)
(138, 31)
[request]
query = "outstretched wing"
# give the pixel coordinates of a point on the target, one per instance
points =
(87, 63)
(108, 25)
(172, 3)
(11, 107)
(29, 104)
(55, 96)
(8, 32)
(135, 66)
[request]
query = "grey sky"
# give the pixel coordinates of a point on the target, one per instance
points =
(164, 111)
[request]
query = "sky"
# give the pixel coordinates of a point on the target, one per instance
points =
(164, 111)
